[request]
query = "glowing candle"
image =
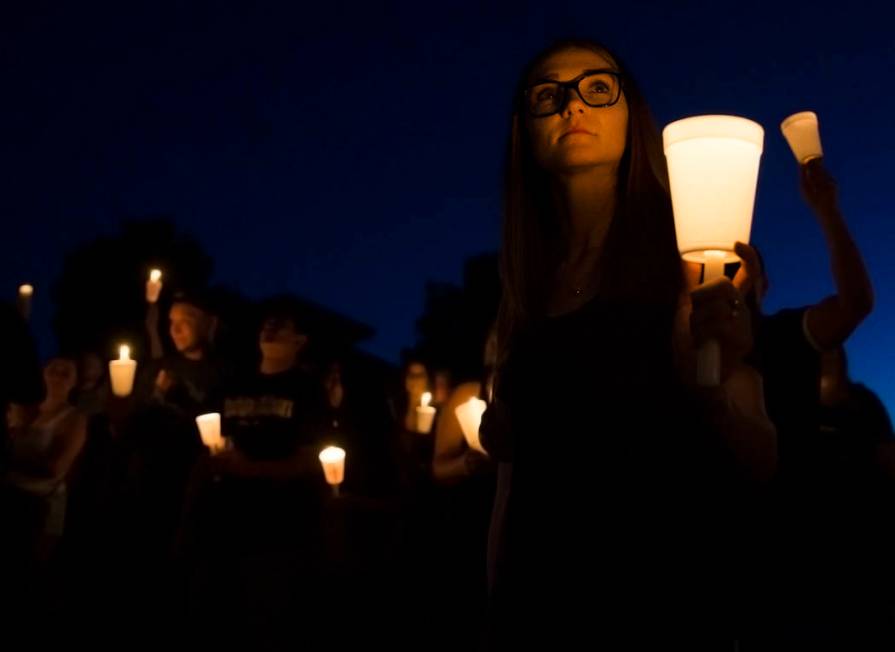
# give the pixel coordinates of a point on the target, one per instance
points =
(803, 135)
(210, 431)
(332, 458)
(154, 285)
(425, 414)
(713, 165)
(122, 372)
(469, 414)
(26, 292)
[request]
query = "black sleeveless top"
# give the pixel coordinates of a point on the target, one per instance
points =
(613, 511)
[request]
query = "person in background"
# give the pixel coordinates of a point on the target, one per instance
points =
(254, 511)
(789, 348)
(92, 392)
(189, 381)
(41, 455)
(789, 343)
(441, 387)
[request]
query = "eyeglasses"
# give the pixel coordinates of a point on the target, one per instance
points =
(596, 88)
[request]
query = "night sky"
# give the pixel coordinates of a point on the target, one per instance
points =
(350, 151)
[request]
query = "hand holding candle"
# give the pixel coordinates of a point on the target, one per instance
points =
(469, 414)
(425, 414)
(713, 165)
(332, 459)
(154, 286)
(122, 372)
(210, 431)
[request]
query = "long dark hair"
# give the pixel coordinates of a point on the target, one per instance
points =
(640, 260)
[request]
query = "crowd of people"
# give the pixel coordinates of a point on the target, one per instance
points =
(618, 499)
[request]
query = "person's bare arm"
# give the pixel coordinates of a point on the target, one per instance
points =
(830, 322)
(63, 451)
(736, 409)
(156, 349)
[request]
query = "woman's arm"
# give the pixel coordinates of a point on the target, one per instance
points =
(64, 449)
(736, 408)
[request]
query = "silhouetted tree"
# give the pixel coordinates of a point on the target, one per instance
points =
(456, 320)
(99, 298)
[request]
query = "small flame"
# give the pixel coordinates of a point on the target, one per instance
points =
(426, 399)
(124, 352)
(155, 275)
(26, 290)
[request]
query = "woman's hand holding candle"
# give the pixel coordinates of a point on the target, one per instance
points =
(720, 313)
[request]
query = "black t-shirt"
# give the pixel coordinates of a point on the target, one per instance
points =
(197, 385)
(790, 366)
(270, 415)
(617, 485)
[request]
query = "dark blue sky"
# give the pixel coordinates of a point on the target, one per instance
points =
(349, 152)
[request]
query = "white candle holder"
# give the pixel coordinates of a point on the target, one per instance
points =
(802, 132)
(713, 163)
(210, 432)
(469, 414)
(332, 459)
(425, 414)
(122, 373)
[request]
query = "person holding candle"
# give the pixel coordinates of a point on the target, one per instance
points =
(268, 415)
(161, 441)
(41, 456)
(790, 345)
(613, 466)
(261, 498)
(413, 448)
(189, 380)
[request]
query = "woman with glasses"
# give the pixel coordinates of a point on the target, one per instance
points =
(622, 487)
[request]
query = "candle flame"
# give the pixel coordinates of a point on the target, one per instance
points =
(155, 275)
(332, 454)
(124, 352)
(26, 290)
(426, 399)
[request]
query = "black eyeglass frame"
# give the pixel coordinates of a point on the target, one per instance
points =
(573, 84)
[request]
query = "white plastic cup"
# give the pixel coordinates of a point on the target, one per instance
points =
(802, 132)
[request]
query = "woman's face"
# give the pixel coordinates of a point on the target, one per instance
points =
(416, 380)
(578, 136)
(60, 376)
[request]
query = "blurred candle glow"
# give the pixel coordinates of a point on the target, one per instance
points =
(713, 163)
(26, 292)
(210, 431)
(803, 135)
(332, 459)
(425, 414)
(154, 286)
(469, 414)
(122, 372)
